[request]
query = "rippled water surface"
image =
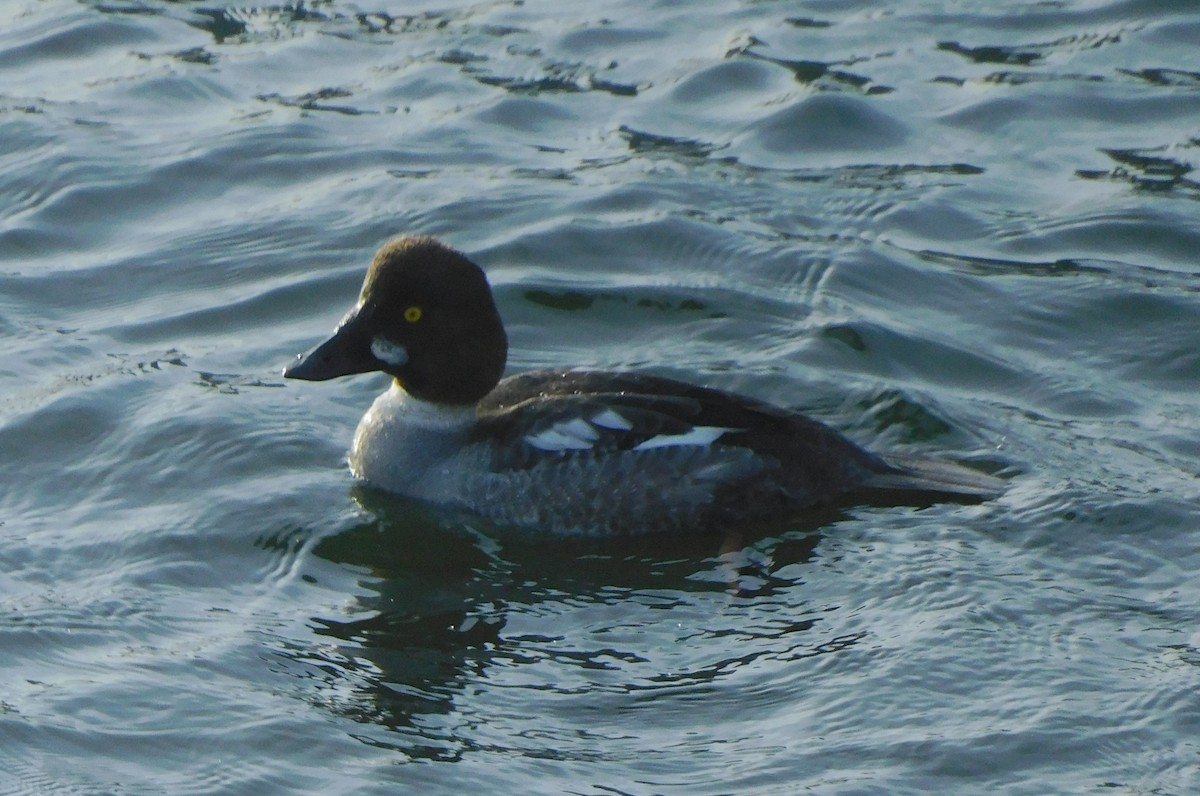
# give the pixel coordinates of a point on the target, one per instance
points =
(962, 229)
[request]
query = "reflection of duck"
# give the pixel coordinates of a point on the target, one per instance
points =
(577, 451)
(444, 624)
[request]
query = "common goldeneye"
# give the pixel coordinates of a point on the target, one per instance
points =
(578, 451)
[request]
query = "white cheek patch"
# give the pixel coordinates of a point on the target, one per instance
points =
(388, 352)
(700, 435)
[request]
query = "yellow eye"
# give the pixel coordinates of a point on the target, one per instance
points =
(412, 314)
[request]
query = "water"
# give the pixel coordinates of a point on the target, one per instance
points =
(946, 228)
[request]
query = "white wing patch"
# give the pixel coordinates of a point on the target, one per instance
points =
(579, 428)
(578, 434)
(700, 435)
(611, 420)
(568, 435)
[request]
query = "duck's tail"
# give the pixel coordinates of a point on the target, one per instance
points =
(932, 481)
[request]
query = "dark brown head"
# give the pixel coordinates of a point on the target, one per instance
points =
(426, 317)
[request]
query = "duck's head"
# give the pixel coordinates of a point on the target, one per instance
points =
(425, 317)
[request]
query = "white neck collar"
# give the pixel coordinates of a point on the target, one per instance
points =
(428, 413)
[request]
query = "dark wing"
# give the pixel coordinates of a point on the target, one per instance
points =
(554, 426)
(556, 412)
(714, 459)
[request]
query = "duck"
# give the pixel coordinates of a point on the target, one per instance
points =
(580, 451)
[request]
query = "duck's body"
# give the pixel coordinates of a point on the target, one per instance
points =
(577, 451)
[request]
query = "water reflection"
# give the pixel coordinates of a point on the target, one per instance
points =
(435, 618)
